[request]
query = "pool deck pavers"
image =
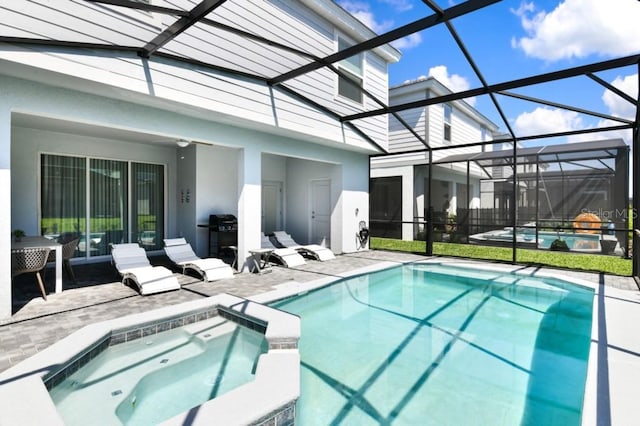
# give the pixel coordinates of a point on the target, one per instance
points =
(98, 295)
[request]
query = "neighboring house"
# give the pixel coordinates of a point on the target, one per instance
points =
(398, 183)
(121, 147)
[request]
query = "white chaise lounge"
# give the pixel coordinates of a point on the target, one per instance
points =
(181, 253)
(132, 263)
(288, 257)
(314, 251)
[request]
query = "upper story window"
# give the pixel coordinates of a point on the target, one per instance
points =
(352, 67)
(448, 111)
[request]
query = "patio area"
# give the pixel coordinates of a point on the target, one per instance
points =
(98, 295)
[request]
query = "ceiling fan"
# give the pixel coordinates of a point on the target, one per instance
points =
(180, 142)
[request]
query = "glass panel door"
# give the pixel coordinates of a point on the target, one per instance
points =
(124, 202)
(147, 209)
(63, 197)
(108, 204)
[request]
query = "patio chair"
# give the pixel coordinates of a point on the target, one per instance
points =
(313, 251)
(286, 256)
(180, 252)
(69, 243)
(30, 260)
(132, 263)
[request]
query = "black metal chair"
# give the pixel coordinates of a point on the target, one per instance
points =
(30, 260)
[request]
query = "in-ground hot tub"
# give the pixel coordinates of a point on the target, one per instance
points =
(172, 341)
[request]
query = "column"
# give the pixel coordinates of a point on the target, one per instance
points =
(5, 217)
(249, 204)
(408, 199)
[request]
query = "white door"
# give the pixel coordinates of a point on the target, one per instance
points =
(321, 212)
(271, 207)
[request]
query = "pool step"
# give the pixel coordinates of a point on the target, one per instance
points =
(204, 331)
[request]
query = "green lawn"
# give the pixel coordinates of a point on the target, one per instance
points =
(584, 262)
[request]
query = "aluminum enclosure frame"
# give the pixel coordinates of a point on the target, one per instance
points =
(204, 13)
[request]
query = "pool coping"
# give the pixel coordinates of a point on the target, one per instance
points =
(270, 396)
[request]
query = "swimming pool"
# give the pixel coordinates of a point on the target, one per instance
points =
(151, 379)
(433, 344)
(526, 238)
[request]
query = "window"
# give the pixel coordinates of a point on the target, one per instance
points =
(447, 122)
(114, 202)
(350, 85)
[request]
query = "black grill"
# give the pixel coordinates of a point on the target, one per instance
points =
(223, 236)
(223, 223)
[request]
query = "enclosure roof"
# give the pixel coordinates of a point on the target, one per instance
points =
(543, 154)
(79, 25)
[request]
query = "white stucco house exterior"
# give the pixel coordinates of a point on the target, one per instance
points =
(399, 182)
(91, 133)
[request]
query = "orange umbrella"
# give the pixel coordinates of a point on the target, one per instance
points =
(587, 223)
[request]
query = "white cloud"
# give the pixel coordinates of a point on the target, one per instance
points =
(547, 120)
(362, 11)
(453, 82)
(578, 28)
(399, 5)
(611, 134)
(618, 106)
(408, 42)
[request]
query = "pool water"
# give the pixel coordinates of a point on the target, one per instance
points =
(575, 241)
(154, 378)
(436, 345)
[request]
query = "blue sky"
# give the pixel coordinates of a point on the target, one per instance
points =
(515, 39)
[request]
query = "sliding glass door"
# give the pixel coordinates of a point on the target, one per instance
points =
(63, 195)
(147, 205)
(106, 201)
(108, 204)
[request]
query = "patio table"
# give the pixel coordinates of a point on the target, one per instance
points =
(261, 258)
(43, 242)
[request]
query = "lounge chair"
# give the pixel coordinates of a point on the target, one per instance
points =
(286, 256)
(132, 263)
(181, 253)
(314, 251)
